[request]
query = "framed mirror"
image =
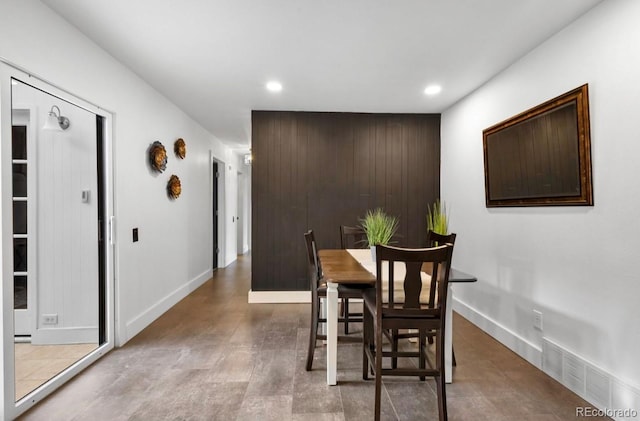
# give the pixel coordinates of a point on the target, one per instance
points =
(541, 157)
(56, 197)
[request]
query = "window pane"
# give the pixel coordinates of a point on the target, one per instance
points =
(19, 180)
(19, 292)
(19, 141)
(20, 217)
(19, 254)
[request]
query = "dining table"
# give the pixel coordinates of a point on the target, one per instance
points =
(357, 267)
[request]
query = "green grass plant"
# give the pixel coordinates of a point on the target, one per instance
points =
(437, 218)
(379, 227)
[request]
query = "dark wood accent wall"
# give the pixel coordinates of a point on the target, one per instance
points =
(318, 171)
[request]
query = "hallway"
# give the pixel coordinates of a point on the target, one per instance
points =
(215, 357)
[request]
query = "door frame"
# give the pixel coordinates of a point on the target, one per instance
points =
(220, 184)
(10, 408)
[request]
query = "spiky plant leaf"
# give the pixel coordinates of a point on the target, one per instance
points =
(437, 218)
(379, 227)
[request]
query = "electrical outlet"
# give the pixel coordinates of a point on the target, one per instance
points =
(537, 320)
(49, 319)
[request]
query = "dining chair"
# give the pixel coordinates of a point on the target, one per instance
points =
(409, 312)
(351, 237)
(433, 239)
(318, 290)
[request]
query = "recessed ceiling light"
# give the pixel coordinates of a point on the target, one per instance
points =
(274, 86)
(432, 89)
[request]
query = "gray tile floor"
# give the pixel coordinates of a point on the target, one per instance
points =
(215, 357)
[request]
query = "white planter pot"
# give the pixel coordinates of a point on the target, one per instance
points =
(373, 253)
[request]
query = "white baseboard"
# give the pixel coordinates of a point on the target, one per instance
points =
(279, 297)
(502, 334)
(144, 319)
(616, 398)
(65, 335)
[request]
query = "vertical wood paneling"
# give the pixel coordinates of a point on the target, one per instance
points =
(322, 170)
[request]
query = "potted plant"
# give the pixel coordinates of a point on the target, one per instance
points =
(379, 228)
(437, 218)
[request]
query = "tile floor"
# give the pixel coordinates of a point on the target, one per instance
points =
(36, 364)
(215, 357)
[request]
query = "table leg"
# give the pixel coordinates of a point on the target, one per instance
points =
(332, 332)
(448, 338)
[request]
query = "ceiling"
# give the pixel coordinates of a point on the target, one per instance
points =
(213, 57)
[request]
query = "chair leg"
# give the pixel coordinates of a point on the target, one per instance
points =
(440, 380)
(313, 333)
(378, 370)
(422, 357)
(345, 303)
(394, 347)
(367, 330)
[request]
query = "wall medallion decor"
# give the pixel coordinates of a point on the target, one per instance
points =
(180, 148)
(158, 156)
(174, 188)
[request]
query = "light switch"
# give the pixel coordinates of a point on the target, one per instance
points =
(86, 194)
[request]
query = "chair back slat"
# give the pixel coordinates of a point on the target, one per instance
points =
(412, 285)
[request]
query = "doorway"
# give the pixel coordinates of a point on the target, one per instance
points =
(214, 193)
(56, 247)
(240, 218)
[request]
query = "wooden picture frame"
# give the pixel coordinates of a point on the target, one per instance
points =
(541, 157)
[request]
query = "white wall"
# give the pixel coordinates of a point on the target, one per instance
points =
(575, 264)
(173, 255)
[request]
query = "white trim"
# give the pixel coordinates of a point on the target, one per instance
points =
(279, 297)
(145, 318)
(65, 335)
(502, 334)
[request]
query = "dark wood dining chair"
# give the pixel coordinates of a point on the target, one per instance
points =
(433, 239)
(409, 312)
(318, 290)
(351, 238)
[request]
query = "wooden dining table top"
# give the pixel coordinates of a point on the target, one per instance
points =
(340, 267)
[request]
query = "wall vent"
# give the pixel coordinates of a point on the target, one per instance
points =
(597, 386)
(577, 374)
(552, 360)
(573, 373)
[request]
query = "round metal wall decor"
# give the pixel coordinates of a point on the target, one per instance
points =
(174, 188)
(180, 148)
(158, 156)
